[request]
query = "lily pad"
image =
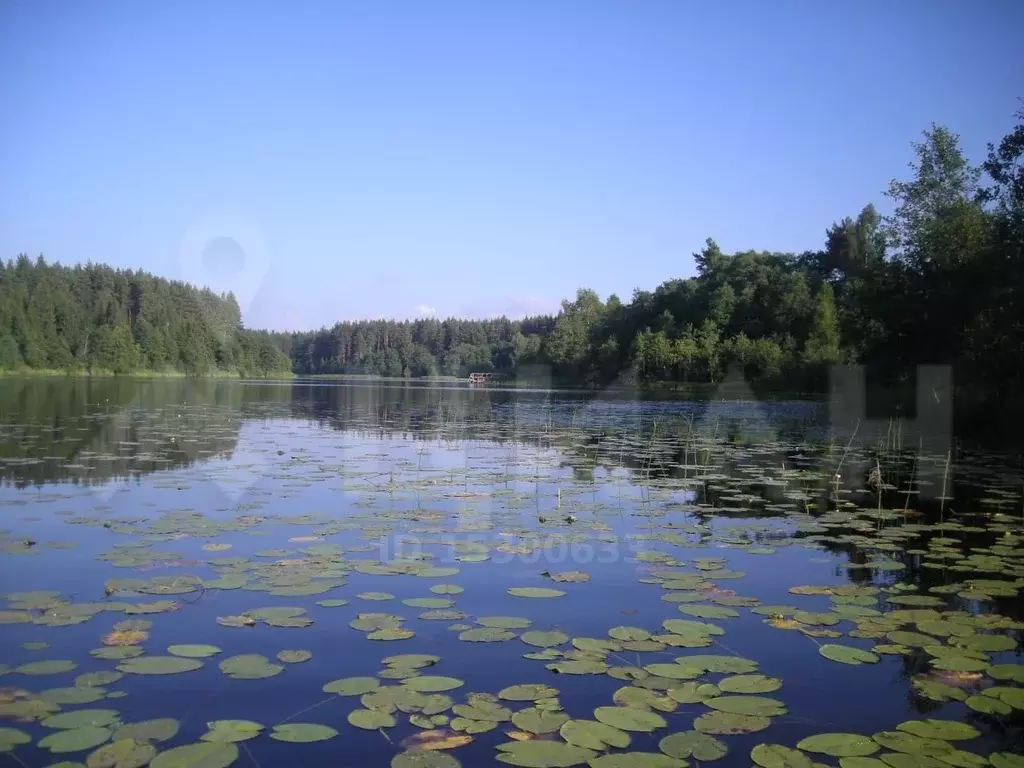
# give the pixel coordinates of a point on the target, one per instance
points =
(303, 733)
(593, 735)
(839, 744)
(636, 760)
(630, 719)
(194, 651)
(158, 665)
(699, 746)
(747, 705)
(947, 730)
(726, 723)
(370, 719)
(535, 592)
(202, 755)
(229, 731)
(543, 754)
(749, 684)
(46, 667)
(352, 686)
(847, 654)
(75, 739)
(294, 657)
(249, 666)
(124, 753)
(544, 639)
(160, 729)
(433, 683)
(779, 756)
(82, 718)
(527, 692)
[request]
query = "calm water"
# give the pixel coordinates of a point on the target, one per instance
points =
(220, 498)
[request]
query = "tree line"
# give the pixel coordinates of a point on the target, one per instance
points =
(940, 280)
(98, 319)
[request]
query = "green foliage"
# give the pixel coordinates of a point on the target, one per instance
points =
(94, 318)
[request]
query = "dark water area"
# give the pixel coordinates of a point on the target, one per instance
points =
(779, 535)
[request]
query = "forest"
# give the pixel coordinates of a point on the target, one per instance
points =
(939, 280)
(96, 319)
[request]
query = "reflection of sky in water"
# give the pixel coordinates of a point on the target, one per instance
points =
(291, 466)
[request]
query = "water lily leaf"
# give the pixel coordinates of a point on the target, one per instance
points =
(749, 684)
(82, 718)
(686, 693)
(1006, 760)
(391, 633)
(1012, 672)
(294, 657)
(202, 755)
(125, 753)
(332, 603)
(229, 731)
(158, 665)
(672, 671)
(236, 621)
(936, 691)
(542, 754)
(636, 760)
(12, 737)
(305, 733)
(160, 729)
(75, 739)
(544, 639)
(947, 730)
(503, 622)
(628, 634)
(630, 718)
(593, 735)
(370, 719)
(103, 677)
(687, 627)
(901, 741)
(249, 666)
(699, 746)
(194, 651)
(578, 667)
(643, 698)
(527, 692)
(747, 705)
(486, 635)
(432, 683)
(535, 720)
(569, 577)
(839, 744)
(730, 665)
(46, 667)
(708, 611)
(725, 723)
(860, 762)
(988, 705)
(83, 695)
(779, 756)
(847, 654)
(424, 758)
(352, 686)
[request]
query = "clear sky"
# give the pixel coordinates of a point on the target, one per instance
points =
(474, 158)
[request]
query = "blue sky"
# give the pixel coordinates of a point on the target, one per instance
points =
(470, 158)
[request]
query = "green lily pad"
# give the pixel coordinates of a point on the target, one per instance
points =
(82, 718)
(846, 654)
(535, 720)
(901, 741)
(543, 754)
(205, 754)
(160, 729)
(332, 603)
(749, 684)
(730, 665)
(304, 733)
(726, 723)
(229, 731)
(249, 666)
(636, 760)
(535, 592)
(747, 705)
(294, 657)
(486, 635)
(424, 758)
(83, 695)
(630, 719)
(779, 756)
(158, 665)
(593, 735)
(11, 738)
(194, 651)
(1006, 760)
(352, 686)
(433, 683)
(125, 753)
(527, 692)
(544, 639)
(370, 719)
(947, 730)
(708, 611)
(104, 677)
(46, 667)
(1012, 672)
(699, 746)
(988, 705)
(839, 744)
(75, 739)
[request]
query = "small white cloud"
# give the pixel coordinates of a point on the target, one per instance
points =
(426, 311)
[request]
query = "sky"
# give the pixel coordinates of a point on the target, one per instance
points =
(341, 160)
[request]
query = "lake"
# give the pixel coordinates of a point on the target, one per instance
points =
(327, 573)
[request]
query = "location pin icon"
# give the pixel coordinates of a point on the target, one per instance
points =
(225, 252)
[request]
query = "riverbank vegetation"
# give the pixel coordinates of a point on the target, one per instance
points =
(939, 281)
